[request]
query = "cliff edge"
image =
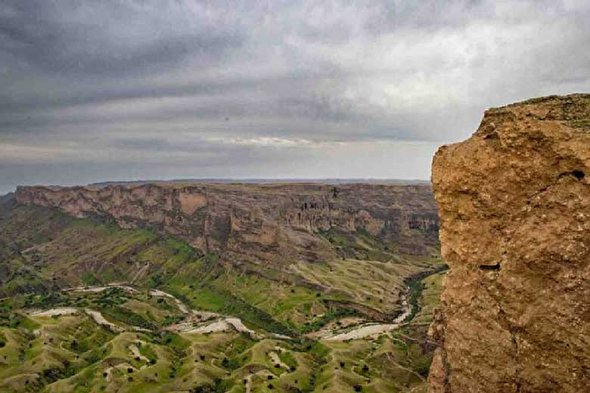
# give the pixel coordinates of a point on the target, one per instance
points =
(260, 223)
(514, 202)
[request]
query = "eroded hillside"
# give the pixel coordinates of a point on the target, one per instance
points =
(119, 304)
(515, 230)
(276, 223)
(122, 339)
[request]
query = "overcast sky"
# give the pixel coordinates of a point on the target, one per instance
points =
(119, 90)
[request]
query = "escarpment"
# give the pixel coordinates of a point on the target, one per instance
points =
(278, 223)
(514, 204)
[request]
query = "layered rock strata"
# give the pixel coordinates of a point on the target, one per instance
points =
(257, 223)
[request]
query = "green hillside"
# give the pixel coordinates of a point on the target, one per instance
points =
(139, 312)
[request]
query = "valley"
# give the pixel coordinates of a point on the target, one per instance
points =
(114, 339)
(91, 306)
(205, 196)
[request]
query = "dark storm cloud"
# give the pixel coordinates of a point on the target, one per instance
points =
(145, 89)
(109, 38)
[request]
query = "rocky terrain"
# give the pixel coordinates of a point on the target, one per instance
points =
(253, 223)
(515, 230)
(218, 288)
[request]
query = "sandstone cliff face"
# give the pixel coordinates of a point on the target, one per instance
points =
(515, 230)
(258, 223)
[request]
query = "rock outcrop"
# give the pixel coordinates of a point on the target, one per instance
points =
(514, 204)
(275, 223)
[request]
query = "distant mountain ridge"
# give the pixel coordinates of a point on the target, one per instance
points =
(6, 197)
(266, 181)
(259, 223)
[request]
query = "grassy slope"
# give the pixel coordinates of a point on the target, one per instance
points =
(50, 250)
(74, 354)
(42, 250)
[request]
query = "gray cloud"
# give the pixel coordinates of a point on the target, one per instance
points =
(112, 38)
(150, 89)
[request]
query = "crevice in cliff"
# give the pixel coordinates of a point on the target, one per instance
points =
(577, 173)
(490, 267)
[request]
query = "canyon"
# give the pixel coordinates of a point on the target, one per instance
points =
(201, 287)
(514, 204)
(258, 223)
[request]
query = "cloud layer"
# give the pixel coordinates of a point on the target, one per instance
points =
(116, 90)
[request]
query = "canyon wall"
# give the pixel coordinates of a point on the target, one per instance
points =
(514, 204)
(258, 223)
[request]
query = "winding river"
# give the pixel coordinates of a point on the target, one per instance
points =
(221, 323)
(371, 329)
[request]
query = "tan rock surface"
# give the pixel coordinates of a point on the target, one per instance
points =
(515, 230)
(258, 223)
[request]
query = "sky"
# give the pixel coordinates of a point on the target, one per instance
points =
(123, 90)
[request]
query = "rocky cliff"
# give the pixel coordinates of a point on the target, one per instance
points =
(515, 230)
(277, 223)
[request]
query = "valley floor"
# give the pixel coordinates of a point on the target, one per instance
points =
(88, 307)
(90, 342)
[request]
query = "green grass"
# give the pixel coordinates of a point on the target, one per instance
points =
(360, 245)
(42, 251)
(86, 252)
(128, 317)
(73, 353)
(332, 314)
